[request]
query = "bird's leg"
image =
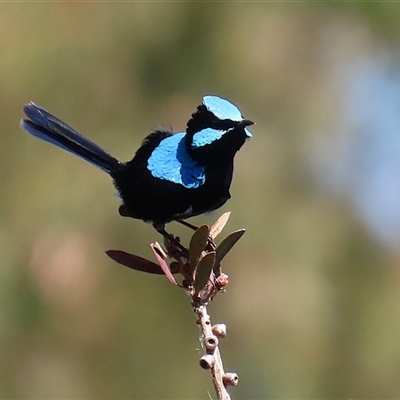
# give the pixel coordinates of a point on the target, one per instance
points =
(211, 244)
(161, 229)
(187, 224)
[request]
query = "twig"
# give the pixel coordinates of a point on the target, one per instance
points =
(202, 278)
(212, 359)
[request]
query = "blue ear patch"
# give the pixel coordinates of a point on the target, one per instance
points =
(248, 133)
(170, 161)
(207, 136)
(221, 108)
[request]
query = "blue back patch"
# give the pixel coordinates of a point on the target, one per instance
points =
(207, 136)
(221, 108)
(170, 161)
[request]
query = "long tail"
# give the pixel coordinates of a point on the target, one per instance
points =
(49, 128)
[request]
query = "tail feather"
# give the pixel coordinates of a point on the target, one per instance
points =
(45, 126)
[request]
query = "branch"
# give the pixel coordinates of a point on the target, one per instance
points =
(212, 359)
(200, 275)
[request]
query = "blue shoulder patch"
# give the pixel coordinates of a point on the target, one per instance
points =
(170, 161)
(207, 136)
(221, 108)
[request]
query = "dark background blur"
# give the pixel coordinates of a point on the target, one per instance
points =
(313, 304)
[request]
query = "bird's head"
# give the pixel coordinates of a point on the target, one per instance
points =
(216, 131)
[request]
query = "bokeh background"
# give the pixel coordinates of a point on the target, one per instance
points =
(313, 304)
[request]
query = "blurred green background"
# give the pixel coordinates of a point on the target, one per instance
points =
(313, 304)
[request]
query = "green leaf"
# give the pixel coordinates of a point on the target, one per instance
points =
(203, 271)
(197, 245)
(216, 229)
(227, 244)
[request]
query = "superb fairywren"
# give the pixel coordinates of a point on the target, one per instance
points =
(173, 176)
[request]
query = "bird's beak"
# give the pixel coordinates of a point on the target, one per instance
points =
(243, 124)
(246, 122)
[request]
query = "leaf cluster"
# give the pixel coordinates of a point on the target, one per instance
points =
(197, 269)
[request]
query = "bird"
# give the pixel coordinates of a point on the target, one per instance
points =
(172, 176)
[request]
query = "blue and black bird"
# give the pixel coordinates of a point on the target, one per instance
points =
(173, 176)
